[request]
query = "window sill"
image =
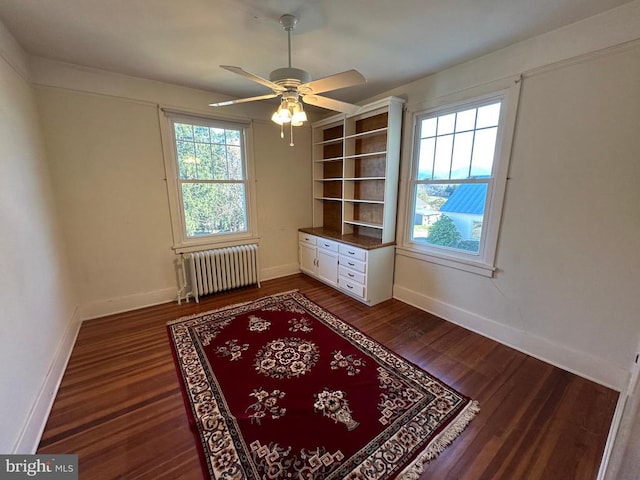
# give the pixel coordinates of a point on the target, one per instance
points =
(208, 243)
(476, 267)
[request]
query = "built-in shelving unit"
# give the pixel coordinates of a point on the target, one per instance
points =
(355, 188)
(355, 173)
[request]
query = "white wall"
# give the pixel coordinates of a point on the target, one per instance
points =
(37, 320)
(284, 197)
(105, 154)
(566, 289)
(567, 296)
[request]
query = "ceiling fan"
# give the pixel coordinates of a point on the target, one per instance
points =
(294, 84)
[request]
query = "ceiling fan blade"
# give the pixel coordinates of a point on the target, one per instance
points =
(333, 82)
(255, 78)
(330, 104)
(244, 100)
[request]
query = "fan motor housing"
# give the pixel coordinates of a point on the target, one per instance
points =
(289, 76)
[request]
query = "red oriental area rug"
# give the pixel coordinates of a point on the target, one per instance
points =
(281, 388)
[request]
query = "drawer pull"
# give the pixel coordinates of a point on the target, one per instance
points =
(349, 286)
(351, 264)
(350, 252)
(351, 275)
(327, 245)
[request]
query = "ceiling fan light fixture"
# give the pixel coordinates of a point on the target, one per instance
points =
(276, 118)
(283, 114)
(290, 110)
(299, 116)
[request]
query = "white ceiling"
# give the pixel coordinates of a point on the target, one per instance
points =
(184, 41)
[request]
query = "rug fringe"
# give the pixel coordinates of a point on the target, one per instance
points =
(442, 441)
(226, 307)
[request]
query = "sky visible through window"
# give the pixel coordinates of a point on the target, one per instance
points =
(458, 145)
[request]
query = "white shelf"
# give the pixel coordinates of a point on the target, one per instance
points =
(374, 202)
(339, 179)
(366, 155)
(364, 224)
(330, 142)
(332, 159)
(369, 133)
(355, 136)
(331, 199)
(362, 179)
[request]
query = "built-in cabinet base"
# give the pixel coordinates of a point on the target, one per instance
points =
(366, 274)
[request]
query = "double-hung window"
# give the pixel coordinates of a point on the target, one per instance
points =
(208, 180)
(458, 177)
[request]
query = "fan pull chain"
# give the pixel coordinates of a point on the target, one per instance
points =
(282, 130)
(291, 142)
(289, 44)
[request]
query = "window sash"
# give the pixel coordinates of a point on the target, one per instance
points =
(454, 134)
(190, 181)
(181, 241)
(505, 91)
(451, 179)
(485, 217)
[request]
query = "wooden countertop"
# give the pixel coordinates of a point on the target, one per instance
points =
(360, 241)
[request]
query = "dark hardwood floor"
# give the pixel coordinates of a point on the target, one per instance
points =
(120, 408)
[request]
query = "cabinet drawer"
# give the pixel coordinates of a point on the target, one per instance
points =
(352, 275)
(306, 238)
(353, 264)
(353, 252)
(327, 244)
(354, 288)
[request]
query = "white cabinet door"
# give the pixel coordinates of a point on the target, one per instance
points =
(328, 266)
(308, 258)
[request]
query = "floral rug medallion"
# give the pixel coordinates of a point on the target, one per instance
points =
(280, 388)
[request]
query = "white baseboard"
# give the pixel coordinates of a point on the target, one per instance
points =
(279, 271)
(616, 440)
(31, 434)
(575, 361)
(127, 303)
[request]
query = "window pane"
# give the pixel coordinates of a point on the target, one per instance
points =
(455, 148)
(461, 161)
(233, 137)
(184, 131)
(425, 161)
(466, 120)
(214, 208)
(201, 134)
(446, 123)
(428, 127)
(450, 215)
(442, 164)
(488, 115)
(218, 135)
(484, 148)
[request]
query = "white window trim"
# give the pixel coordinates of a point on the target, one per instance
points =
(508, 91)
(181, 243)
